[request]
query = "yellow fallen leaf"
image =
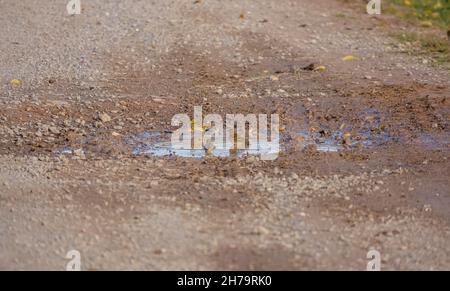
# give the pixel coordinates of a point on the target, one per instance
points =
(426, 23)
(198, 126)
(15, 83)
(349, 58)
(320, 68)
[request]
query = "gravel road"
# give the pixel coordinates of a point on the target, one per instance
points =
(365, 138)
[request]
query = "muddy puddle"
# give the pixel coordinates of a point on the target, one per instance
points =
(369, 131)
(340, 140)
(158, 144)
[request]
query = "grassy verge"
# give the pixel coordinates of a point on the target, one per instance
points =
(427, 45)
(432, 39)
(427, 12)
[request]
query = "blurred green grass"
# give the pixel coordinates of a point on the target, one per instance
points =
(429, 12)
(436, 48)
(430, 43)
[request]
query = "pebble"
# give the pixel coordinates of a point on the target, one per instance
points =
(103, 117)
(54, 130)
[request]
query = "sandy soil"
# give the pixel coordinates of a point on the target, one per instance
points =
(365, 143)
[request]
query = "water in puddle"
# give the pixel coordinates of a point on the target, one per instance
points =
(329, 144)
(371, 133)
(158, 144)
(65, 151)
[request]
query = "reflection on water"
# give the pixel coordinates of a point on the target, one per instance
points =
(158, 144)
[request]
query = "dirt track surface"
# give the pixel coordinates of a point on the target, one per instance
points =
(72, 177)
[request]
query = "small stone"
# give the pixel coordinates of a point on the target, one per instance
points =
(54, 130)
(159, 251)
(103, 117)
(78, 153)
(274, 78)
(252, 159)
(427, 208)
(261, 230)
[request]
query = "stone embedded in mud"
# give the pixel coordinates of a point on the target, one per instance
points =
(79, 153)
(261, 230)
(103, 117)
(274, 78)
(54, 130)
